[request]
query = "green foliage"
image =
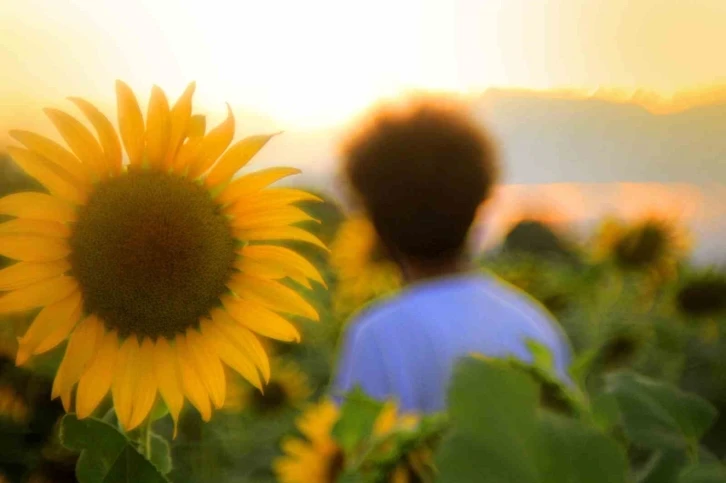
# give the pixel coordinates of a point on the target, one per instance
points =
(500, 435)
(659, 416)
(358, 415)
(107, 455)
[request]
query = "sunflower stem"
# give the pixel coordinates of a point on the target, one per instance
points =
(146, 438)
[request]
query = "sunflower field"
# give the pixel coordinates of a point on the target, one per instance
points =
(166, 320)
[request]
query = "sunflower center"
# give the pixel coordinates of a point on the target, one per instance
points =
(273, 399)
(641, 247)
(336, 465)
(152, 253)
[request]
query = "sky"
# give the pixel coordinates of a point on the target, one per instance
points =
(305, 64)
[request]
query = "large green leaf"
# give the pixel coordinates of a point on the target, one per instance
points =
(713, 472)
(107, 456)
(572, 452)
(358, 414)
(499, 435)
(492, 411)
(659, 415)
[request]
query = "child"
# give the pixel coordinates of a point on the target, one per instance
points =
(421, 172)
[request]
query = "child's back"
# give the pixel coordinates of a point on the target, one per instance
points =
(406, 348)
(422, 172)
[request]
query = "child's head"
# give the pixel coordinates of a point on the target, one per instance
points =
(421, 171)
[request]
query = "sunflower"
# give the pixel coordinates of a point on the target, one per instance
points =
(319, 459)
(157, 271)
(700, 298)
(364, 270)
(652, 245)
(288, 387)
(702, 295)
(13, 406)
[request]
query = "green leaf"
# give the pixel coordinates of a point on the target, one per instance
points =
(573, 452)
(542, 357)
(107, 456)
(704, 473)
(161, 454)
(492, 410)
(658, 415)
(605, 411)
(358, 414)
(582, 366)
(663, 467)
(500, 435)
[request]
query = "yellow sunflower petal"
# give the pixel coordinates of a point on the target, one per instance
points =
(81, 348)
(29, 248)
(50, 327)
(281, 233)
(187, 154)
(249, 183)
(39, 294)
(50, 229)
(271, 198)
(66, 400)
(271, 294)
(243, 339)
(37, 206)
(278, 260)
(145, 392)
(168, 379)
(124, 380)
(79, 139)
(260, 320)
(130, 123)
(207, 365)
(158, 125)
(271, 219)
(22, 274)
(197, 126)
(214, 144)
(191, 384)
(55, 179)
(235, 159)
(178, 123)
(53, 152)
(231, 354)
(105, 132)
(96, 381)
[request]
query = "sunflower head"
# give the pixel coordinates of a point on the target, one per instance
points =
(13, 406)
(621, 349)
(288, 387)
(146, 255)
(318, 458)
(652, 245)
(702, 295)
(537, 238)
(363, 266)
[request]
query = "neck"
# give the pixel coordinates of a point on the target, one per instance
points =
(415, 271)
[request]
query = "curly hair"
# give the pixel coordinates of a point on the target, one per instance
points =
(421, 170)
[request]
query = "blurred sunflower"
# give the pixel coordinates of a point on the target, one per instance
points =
(701, 298)
(319, 459)
(152, 269)
(288, 387)
(652, 245)
(702, 295)
(363, 268)
(13, 406)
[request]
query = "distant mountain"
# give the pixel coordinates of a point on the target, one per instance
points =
(546, 140)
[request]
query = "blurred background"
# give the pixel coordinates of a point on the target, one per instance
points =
(610, 115)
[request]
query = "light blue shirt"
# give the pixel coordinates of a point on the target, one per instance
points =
(406, 348)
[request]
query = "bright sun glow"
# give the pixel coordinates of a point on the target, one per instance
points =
(310, 63)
